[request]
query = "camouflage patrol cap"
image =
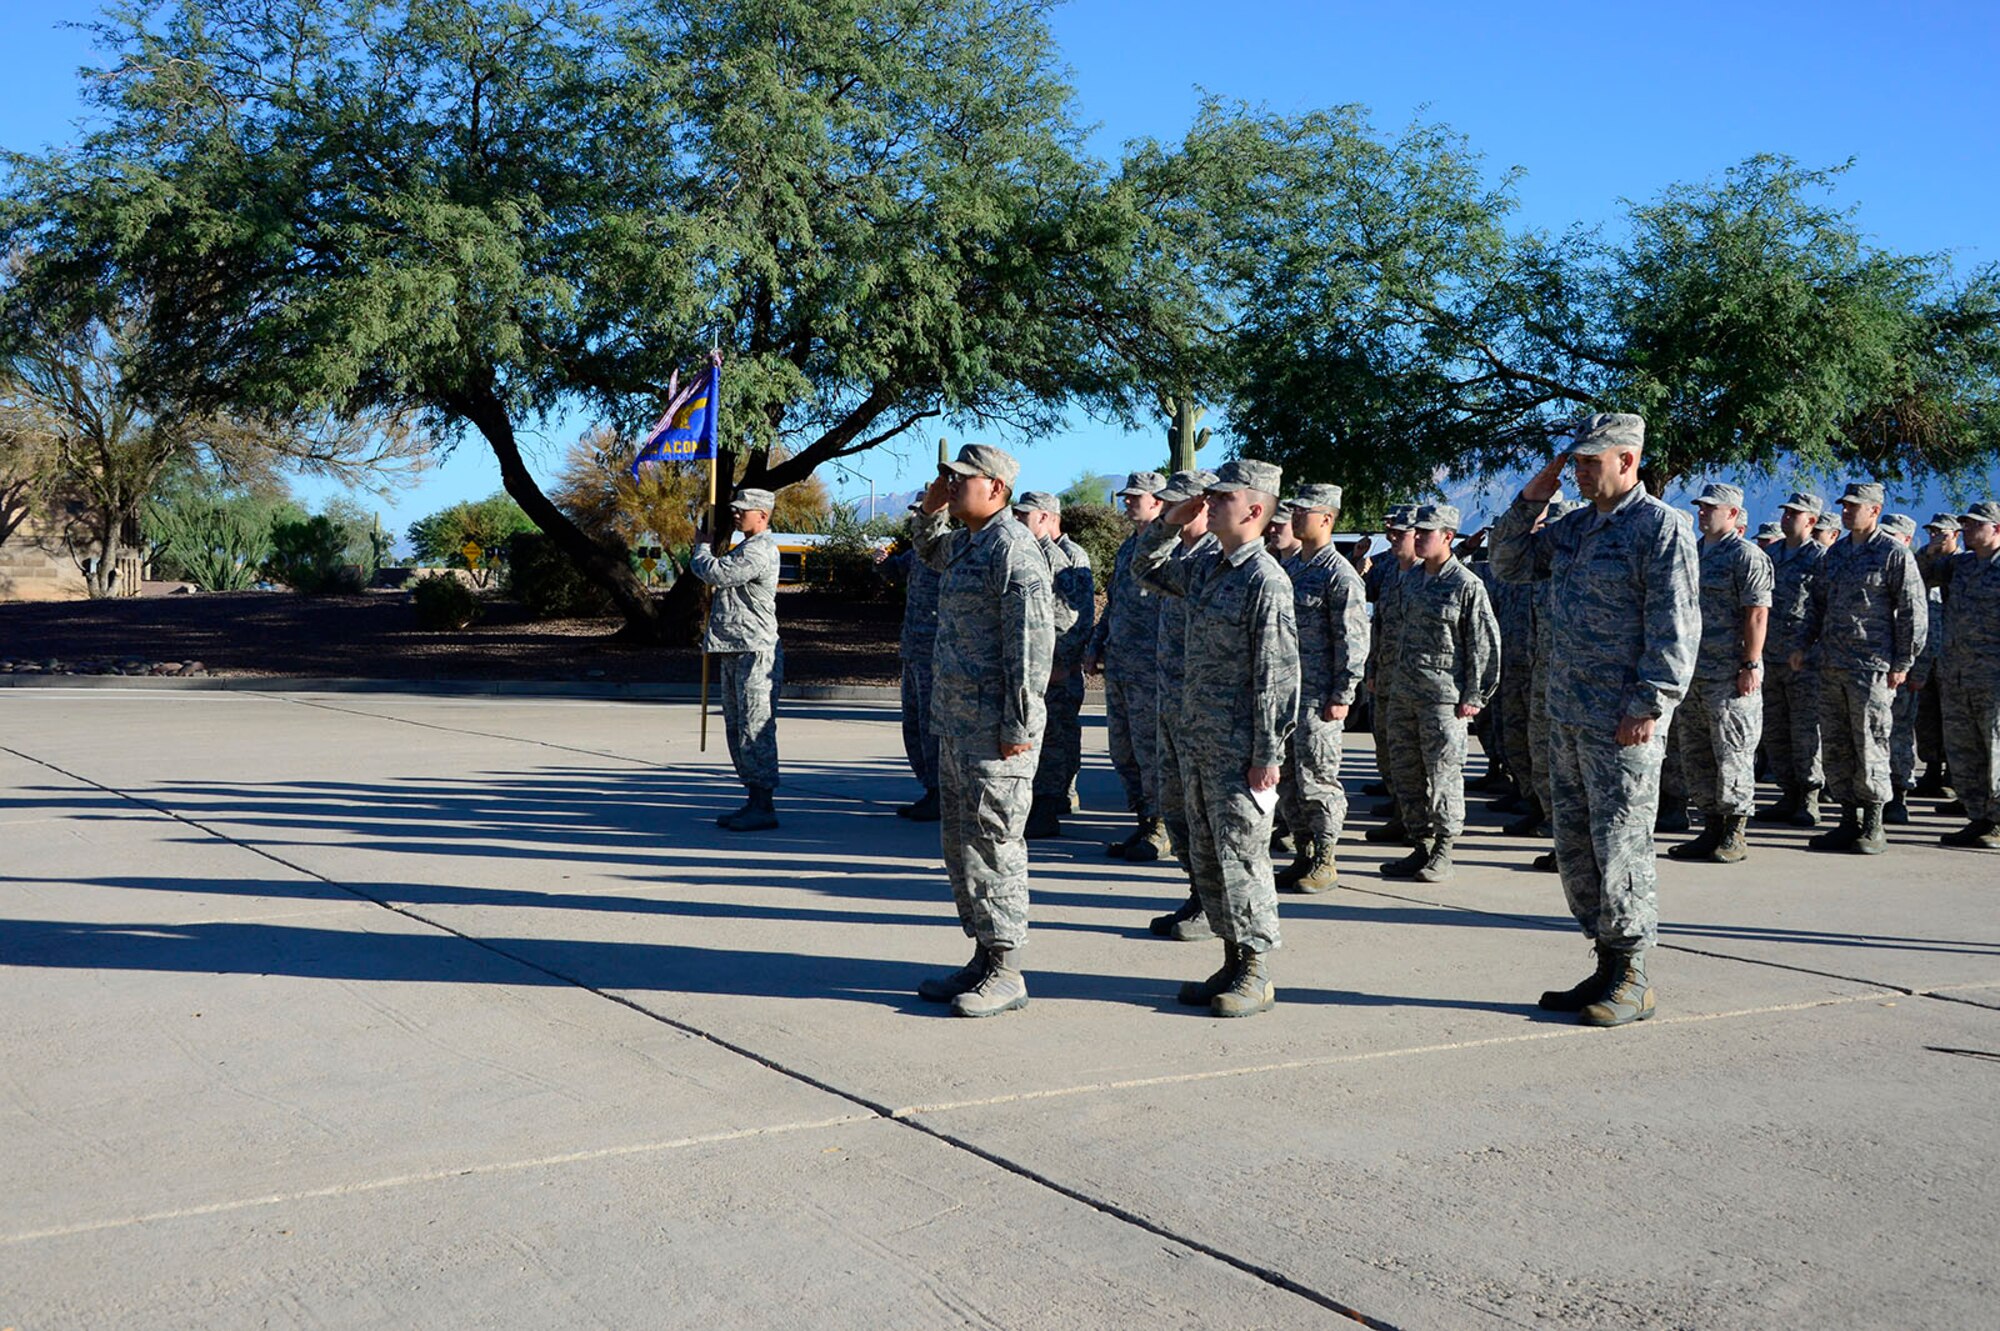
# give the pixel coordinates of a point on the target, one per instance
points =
(1769, 531)
(1900, 523)
(1827, 522)
(1941, 522)
(1805, 501)
(1037, 501)
(1983, 511)
(1247, 474)
(1436, 517)
(1317, 499)
(1185, 485)
(1862, 492)
(1605, 431)
(1143, 483)
(752, 499)
(1398, 517)
(1721, 494)
(984, 460)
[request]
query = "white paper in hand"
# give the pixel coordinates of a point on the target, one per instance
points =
(1267, 800)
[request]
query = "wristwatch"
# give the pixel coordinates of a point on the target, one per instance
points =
(1750, 665)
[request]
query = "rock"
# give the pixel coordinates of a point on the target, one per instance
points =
(193, 668)
(170, 668)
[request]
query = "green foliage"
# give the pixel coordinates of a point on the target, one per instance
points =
(310, 556)
(440, 538)
(219, 542)
(1100, 530)
(547, 582)
(442, 602)
(844, 562)
(1088, 488)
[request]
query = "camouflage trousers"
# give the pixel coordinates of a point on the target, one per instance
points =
(1316, 802)
(1717, 731)
(919, 744)
(1902, 739)
(1930, 717)
(1229, 853)
(1673, 772)
(1606, 797)
(1791, 725)
(1538, 737)
(1172, 790)
(1971, 705)
(1427, 753)
(750, 685)
(1132, 716)
(1511, 726)
(1378, 731)
(982, 820)
(1062, 739)
(1856, 716)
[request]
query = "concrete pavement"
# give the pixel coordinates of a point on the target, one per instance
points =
(337, 1010)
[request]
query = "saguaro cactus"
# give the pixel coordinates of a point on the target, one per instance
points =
(1184, 435)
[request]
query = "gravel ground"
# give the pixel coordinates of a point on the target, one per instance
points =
(374, 636)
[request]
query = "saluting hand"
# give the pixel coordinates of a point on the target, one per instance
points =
(1547, 481)
(937, 494)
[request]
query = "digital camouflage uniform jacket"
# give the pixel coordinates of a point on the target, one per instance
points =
(743, 612)
(996, 632)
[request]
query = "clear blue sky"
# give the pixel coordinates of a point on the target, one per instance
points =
(1596, 102)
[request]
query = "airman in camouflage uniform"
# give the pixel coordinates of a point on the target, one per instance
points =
(1904, 706)
(920, 600)
(1448, 663)
(1943, 543)
(743, 638)
(1075, 606)
(1125, 644)
(1238, 707)
(1538, 688)
(1791, 696)
(1869, 621)
(1189, 922)
(1331, 609)
(1385, 588)
(1624, 622)
(1719, 724)
(996, 639)
(1514, 609)
(1969, 674)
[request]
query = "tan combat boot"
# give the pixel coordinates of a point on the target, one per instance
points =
(944, 988)
(1627, 997)
(1287, 878)
(1201, 993)
(1249, 992)
(1581, 995)
(1151, 844)
(1001, 990)
(1321, 875)
(1734, 846)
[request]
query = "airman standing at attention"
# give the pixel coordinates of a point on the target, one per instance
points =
(1970, 674)
(1624, 625)
(1237, 710)
(1448, 659)
(1791, 696)
(1125, 645)
(920, 590)
(1189, 922)
(1719, 724)
(1385, 583)
(996, 638)
(743, 637)
(1869, 621)
(1331, 609)
(1075, 607)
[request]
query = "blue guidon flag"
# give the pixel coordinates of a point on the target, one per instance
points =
(686, 433)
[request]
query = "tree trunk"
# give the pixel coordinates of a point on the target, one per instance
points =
(101, 581)
(603, 564)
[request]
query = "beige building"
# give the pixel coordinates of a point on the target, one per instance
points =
(35, 565)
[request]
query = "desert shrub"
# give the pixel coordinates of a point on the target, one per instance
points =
(311, 556)
(844, 562)
(443, 602)
(219, 542)
(1100, 530)
(545, 581)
